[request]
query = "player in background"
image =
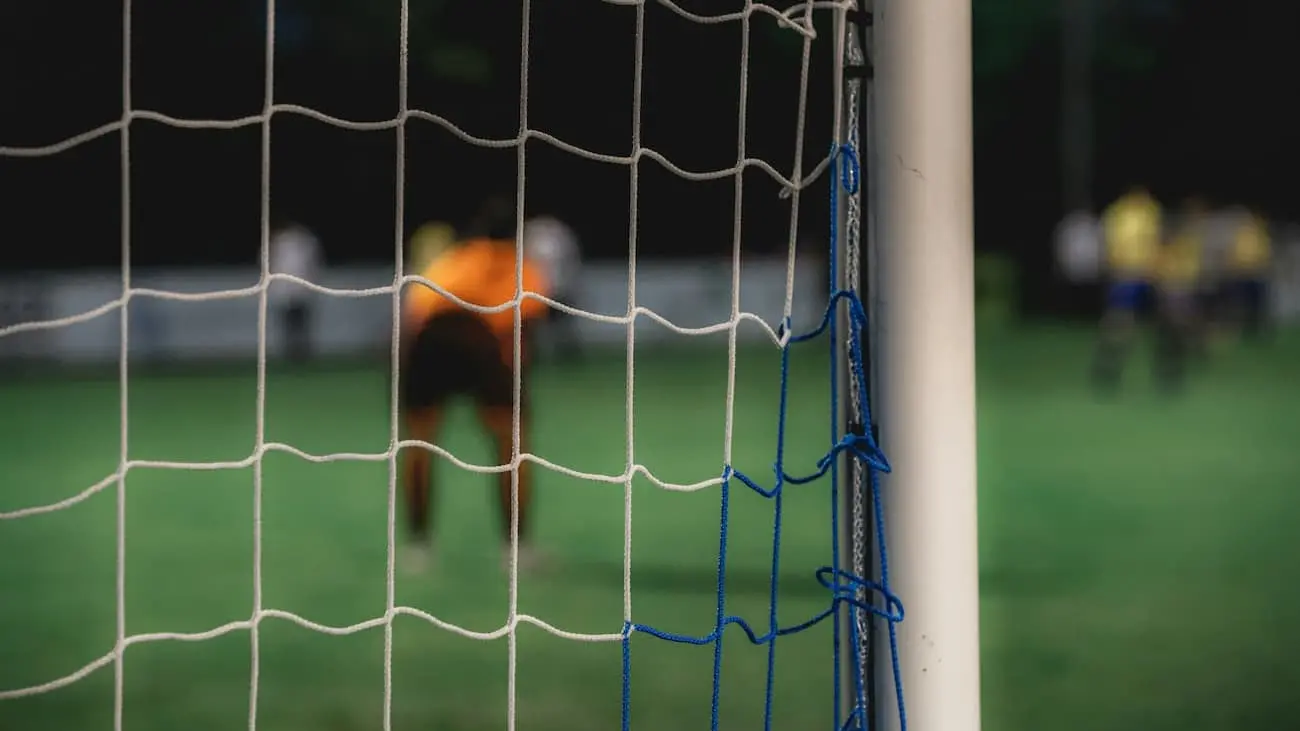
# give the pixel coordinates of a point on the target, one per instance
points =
(450, 351)
(1131, 228)
(295, 251)
(1078, 247)
(1217, 229)
(1079, 263)
(148, 328)
(1249, 264)
(1178, 270)
(554, 246)
(430, 241)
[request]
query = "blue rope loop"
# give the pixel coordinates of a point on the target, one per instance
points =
(849, 171)
(843, 585)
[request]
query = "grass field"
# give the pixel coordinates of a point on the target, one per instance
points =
(1137, 556)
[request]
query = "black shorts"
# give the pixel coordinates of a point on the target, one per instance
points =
(456, 354)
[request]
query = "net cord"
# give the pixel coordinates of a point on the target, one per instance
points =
(395, 350)
(119, 645)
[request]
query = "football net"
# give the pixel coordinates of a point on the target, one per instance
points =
(856, 576)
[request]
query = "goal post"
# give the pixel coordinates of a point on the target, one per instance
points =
(922, 306)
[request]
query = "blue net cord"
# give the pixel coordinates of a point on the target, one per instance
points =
(844, 586)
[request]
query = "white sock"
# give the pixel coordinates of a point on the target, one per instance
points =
(415, 558)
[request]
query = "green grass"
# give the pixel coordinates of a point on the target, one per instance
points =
(1136, 555)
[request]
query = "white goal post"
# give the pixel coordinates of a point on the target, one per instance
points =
(919, 291)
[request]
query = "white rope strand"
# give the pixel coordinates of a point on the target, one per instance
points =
(259, 445)
(100, 485)
(629, 387)
(502, 143)
(737, 234)
(124, 380)
(395, 350)
(516, 418)
(805, 63)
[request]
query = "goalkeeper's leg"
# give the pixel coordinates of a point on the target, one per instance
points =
(430, 375)
(496, 408)
(499, 422)
(417, 483)
(417, 488)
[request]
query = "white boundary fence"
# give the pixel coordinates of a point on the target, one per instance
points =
(688, 293)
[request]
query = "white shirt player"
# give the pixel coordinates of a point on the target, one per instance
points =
(554, 245)
(295, 251)
(1079, 247)
(1218, 231)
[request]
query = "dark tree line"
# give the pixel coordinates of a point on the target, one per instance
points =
(1189, 96)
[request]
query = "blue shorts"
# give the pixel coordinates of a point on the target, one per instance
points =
(1128, 295)
(1249, 289)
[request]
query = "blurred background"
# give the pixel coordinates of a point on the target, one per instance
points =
(1136, 547)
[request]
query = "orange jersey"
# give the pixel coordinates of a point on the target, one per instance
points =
(481, 272)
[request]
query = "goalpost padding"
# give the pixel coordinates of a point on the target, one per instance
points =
(845, 322)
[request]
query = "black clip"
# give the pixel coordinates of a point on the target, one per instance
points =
(859, 17)
(863, 71)
(856, 429)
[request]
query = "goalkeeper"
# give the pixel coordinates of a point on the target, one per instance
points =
(449, 351)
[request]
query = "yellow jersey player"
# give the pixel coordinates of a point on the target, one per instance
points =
(1178, 269)
(1131, 228)
(1216, 241)
(429, 242)
(1249, 261)
(451, 351)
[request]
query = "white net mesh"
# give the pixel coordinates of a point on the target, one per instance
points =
(796, 19)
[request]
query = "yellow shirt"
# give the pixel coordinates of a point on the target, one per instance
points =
(480, 272)
(1179, 261)
(1251, 250)
(429, 242)
(1132, 230)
